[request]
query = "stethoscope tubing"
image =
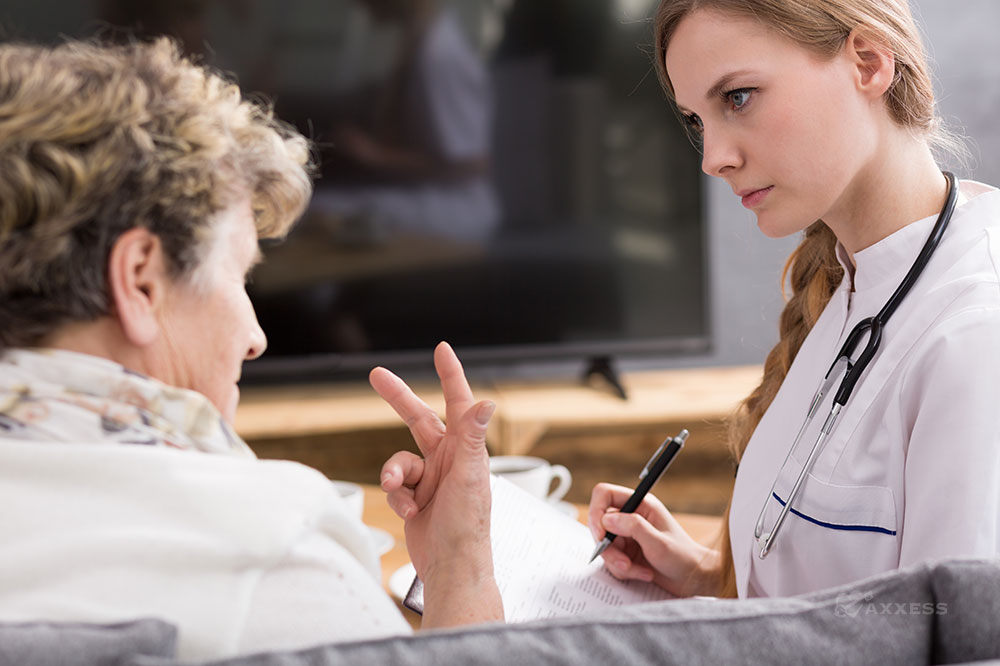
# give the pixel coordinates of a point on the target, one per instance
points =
(873, 326)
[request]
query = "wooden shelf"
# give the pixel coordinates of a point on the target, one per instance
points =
(526, 411)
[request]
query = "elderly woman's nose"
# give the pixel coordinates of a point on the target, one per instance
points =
(258, 341)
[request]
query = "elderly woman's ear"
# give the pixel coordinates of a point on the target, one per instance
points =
(138, 280)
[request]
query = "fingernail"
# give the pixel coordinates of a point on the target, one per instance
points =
(611, 521)
(386, 478)
(484, 412)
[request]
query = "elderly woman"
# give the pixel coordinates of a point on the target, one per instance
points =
(134, 186)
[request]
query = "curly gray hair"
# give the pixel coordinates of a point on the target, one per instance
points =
(96, 140)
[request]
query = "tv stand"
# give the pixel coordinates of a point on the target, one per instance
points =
(601, 366)
(526, 409)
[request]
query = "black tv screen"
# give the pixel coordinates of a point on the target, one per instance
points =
(503, 174)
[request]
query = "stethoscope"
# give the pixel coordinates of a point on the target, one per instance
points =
(873, 327)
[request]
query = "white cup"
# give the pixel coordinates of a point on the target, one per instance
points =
(534, 475)
(353, 495)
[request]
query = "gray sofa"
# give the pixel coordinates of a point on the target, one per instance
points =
(939, 613)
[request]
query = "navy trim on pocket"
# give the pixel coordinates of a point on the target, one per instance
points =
(849, 528)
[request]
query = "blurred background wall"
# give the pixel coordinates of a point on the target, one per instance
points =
(744, 266)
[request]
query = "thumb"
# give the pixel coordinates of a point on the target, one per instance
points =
(472, 427)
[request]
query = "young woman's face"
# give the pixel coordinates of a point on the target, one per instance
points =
(788, 131)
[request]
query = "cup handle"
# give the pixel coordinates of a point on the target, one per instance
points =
(560, 473)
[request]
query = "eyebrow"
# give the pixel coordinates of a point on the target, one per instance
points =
(720, 86)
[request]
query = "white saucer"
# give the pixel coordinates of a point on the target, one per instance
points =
(382, 540)
(569, 509)
(401, 579)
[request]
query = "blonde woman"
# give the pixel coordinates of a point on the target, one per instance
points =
(820, 116)
(134, 186)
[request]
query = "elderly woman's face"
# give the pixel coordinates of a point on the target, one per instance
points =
(209, 324)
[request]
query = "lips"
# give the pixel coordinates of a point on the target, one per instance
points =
(753, 198)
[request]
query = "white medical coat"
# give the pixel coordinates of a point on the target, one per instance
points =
(911, 471)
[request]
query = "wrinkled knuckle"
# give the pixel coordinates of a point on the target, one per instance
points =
(474, 437)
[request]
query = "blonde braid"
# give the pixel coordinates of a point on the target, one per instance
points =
(813, 274)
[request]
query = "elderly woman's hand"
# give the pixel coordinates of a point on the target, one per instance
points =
(444, 496)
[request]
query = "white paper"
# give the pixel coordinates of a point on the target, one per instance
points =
(540, 561)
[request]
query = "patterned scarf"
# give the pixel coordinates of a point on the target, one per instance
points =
(60, 396)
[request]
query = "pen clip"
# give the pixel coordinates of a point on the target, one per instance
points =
(645, 470)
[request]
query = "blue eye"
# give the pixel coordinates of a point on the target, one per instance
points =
(738, 98)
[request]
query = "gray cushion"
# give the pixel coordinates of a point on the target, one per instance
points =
(845, 625)
(967, 593)
(59, 644)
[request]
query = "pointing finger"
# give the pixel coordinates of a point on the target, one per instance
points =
(636, 527)
(605, 496)
(423, 422)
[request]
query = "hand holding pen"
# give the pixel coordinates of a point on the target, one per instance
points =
(650, 544)
(648, 477)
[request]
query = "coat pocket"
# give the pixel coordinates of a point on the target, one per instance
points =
(839, 507)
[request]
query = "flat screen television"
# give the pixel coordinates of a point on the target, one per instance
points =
(502, 174)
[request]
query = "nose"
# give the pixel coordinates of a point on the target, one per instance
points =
(258, 340)
(720, 152)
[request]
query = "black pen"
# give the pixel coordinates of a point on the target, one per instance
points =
(650, 474)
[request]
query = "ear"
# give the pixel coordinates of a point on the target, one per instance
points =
(875, 65)
(138, 282)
